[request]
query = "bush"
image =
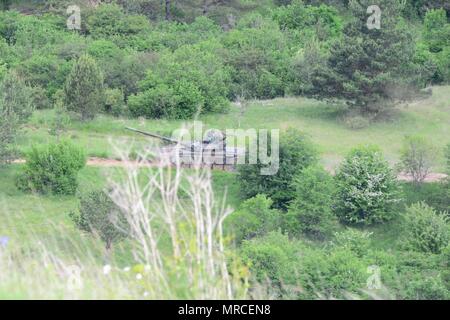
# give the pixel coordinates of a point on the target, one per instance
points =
(52, 169)
(436, 30)
(367, 189)
(296, 153)
(114, 102)
(181, 101)
(354, 240)
(254, 218)
(331, 273)
(271, 258)
(99, 215)
(417, 157)
(310, 213)
(425, 229)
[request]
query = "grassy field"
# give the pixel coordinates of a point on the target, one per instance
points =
(429, 117)
(20, 212)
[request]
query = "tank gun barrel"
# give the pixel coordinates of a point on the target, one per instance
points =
(153, 135)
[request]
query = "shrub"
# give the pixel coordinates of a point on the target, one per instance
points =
(271, 258)
(181, 101)
(310, 213)
(115, 102)
(436, 30)
(296, 153)
(417, 157)
(331, 273)
(99, 215)
(425, 229)
(367, 189)
(354, 240)
(52, 169)
(254, 218)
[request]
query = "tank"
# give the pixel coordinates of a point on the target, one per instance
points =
(212, 152)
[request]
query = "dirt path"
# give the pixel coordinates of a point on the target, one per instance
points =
(114, 163)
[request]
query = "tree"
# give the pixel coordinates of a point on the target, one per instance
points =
(296, 154)
(417, 158)
(84, 91)
(5, 4)
(310, 213)
(16, 106)
(99, 215)
(370, 69)
(367, 189)
(191, 80)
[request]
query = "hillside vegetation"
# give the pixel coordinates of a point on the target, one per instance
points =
(358, 207)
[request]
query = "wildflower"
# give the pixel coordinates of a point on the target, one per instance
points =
(138, 276)
(106, 269)
(4, 241)
(126, 269)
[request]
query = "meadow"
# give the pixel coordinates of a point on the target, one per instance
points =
(428, 117)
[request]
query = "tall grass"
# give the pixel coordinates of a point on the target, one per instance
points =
(177, 246)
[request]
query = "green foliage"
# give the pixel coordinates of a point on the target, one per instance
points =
(310, 213)
(99, 215)
(434, 194)
(46, 71)
(191, 80)
(367, 189)
(436, 30)
(417, 157)
(52, 169)
(16, 106)
(369, 69)
(425, 229)
(109, 20)
(257, 52)
(115, 102)
(271, 259)
(323, 21)
(296, 153)
(254, 218)
(84, 91)
(331, 273)
(353, 240)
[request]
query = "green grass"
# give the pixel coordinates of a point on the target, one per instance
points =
(21, 213)
(25, 217)
(429, 117)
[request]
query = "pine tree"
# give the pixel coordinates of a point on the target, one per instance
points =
(369, 68)
(16, 106)
(84, 90)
